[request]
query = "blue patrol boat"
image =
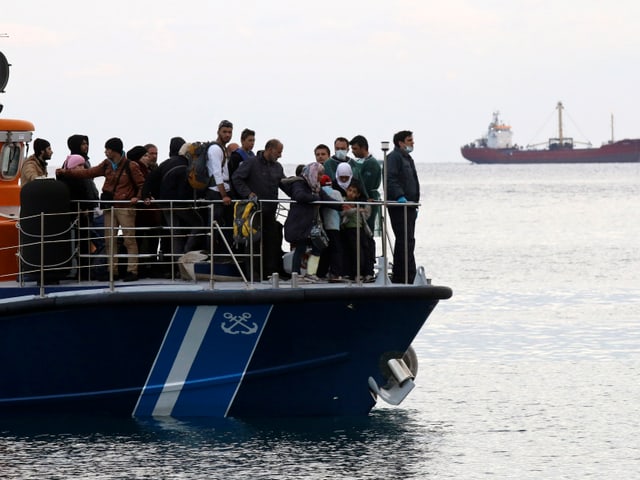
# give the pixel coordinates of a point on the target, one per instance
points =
(194, 346)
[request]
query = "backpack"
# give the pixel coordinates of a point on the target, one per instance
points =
(243, 210)
(197, 172)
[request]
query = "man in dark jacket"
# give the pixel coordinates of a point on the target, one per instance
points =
(403, 187)
(259, 177)
(123, 181)
(169, 182)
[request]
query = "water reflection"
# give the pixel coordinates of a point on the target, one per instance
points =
(388, 443)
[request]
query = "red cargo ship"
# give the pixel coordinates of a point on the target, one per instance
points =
(497, 147)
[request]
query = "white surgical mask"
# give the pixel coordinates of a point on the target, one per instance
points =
(341, 154)
(408, 148)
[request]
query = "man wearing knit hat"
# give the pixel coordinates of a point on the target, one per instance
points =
(148, 217)
(123, 181)
(36, 165)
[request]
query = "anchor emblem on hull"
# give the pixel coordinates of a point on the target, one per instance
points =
(238, 324)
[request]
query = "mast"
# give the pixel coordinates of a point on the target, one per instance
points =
(560, 138)
(612, 128)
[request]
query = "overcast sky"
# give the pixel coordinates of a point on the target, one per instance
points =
(306, 72)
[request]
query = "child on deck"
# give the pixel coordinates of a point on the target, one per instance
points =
(354, 218)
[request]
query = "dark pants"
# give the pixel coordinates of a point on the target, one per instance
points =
(351, 251)
(403, 250)
(223, 214)
(271, 246)
(298, 253)
(186, 232)
(331, 258)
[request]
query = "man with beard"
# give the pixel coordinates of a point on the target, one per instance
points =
(36, 165)
(219, 190)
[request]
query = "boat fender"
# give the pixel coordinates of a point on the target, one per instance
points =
(47, 196)
(399, 374)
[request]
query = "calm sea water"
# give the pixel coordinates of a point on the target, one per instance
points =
(531, 370)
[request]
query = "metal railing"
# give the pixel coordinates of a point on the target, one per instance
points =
(82, 261)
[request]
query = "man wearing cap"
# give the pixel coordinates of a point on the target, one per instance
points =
(36, 165)
(123, 181)
(220, 188)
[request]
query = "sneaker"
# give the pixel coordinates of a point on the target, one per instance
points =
(315, 279)
(131, 277)
(369, 279)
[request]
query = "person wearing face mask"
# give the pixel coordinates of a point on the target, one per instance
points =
(341, 148)
(403, 186)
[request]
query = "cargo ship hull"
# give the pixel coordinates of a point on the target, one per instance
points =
(623, 151)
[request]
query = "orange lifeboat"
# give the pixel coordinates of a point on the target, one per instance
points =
(14, 138)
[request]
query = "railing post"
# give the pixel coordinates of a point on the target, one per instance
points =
(41, 254)
(384, 211)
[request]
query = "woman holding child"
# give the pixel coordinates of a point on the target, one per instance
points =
(304, 189)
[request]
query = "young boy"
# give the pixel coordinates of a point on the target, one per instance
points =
(354, 218)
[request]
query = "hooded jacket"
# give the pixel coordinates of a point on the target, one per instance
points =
(74, 142)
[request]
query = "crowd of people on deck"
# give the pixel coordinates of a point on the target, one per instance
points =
(336, 191)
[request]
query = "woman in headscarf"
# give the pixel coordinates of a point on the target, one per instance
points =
(305, 190)
(344, 175)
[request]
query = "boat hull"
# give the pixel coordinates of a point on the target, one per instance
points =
(178, 352)
(623, 151)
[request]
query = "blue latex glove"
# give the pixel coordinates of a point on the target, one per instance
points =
(402, 200)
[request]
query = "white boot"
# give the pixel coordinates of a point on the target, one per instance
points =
(312, 264)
